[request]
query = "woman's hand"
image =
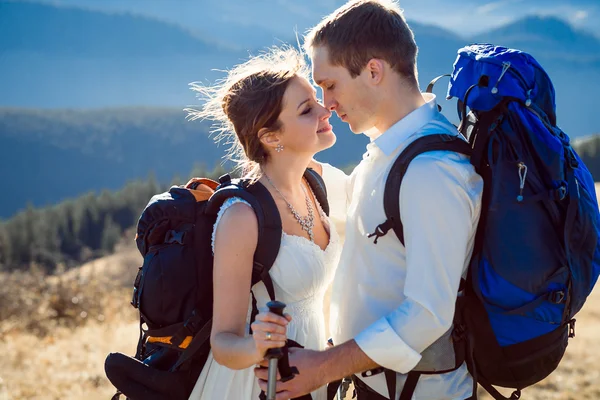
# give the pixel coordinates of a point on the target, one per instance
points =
(269, 332)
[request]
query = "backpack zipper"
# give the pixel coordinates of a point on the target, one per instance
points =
(522, 177)
(505, 67)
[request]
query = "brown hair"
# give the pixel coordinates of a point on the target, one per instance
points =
(364, 29)
(248, 99)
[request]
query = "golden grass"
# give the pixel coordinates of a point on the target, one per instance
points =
(56, 331)
(67, 363)
(50, 351)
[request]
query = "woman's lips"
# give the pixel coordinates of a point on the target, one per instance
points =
(326, 128)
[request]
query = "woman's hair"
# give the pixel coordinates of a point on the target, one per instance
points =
(248, 99)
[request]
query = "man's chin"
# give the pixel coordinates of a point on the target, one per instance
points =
(355, 129)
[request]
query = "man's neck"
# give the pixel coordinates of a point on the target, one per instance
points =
(397, 105)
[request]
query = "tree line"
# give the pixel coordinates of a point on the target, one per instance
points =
(78, 230)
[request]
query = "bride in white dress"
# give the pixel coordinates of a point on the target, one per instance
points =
(279, 126)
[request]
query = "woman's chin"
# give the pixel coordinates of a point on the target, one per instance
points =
(327, 140)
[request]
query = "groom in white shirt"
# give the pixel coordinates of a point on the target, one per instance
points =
(389, 302)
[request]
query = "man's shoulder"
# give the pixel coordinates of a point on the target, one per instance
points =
(442, 164)
(439, 124)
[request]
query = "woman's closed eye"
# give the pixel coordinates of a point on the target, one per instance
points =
(306, 111)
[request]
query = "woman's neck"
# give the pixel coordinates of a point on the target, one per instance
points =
(286, 174)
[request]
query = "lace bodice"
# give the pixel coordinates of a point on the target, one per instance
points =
(302, 271)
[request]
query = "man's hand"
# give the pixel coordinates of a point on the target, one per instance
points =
(311, 376)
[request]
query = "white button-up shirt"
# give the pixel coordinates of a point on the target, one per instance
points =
(394, 300)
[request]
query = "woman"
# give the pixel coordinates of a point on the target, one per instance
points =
(269, 112)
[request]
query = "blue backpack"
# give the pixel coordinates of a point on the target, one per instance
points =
(536, 255)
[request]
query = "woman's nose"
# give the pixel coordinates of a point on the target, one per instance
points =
(326, 114)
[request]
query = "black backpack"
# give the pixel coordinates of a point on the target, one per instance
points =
(173, 290)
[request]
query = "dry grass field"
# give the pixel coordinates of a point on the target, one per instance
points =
(56, 331)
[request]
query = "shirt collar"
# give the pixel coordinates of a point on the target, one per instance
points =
(413, 122)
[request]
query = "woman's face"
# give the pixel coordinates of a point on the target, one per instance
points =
(305, 121)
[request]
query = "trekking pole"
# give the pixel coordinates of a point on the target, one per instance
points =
(273, 355)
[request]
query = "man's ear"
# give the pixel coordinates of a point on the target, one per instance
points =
(376, 69)
(269, 139)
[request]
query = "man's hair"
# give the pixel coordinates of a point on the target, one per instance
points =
(364, 29)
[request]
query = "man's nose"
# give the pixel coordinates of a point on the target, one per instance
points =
(329, 102)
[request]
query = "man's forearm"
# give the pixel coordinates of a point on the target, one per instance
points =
(345, 360)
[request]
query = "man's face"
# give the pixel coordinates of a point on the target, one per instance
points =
(349, 97)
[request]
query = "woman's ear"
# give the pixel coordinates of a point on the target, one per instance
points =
(268, 138)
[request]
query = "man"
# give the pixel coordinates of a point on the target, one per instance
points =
(389, 302)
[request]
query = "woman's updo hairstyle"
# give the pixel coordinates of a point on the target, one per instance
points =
(248, 99)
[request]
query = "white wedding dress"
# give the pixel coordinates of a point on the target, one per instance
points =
(301, 274)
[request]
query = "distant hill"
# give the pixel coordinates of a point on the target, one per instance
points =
(460, 16)
(65, 57)
(549, 38)
(47, 156)
(66, 31)
(56, 57)
(68, 60)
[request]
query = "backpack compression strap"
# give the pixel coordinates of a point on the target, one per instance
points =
(391, 193)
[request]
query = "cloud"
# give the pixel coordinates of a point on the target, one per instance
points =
(490, 7)
(579, 16)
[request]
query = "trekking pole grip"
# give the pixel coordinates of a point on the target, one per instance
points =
(273, 355)
(276, 307)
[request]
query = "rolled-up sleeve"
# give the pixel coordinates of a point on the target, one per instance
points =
(439, 211)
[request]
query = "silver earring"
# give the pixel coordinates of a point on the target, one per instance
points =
(279, 148)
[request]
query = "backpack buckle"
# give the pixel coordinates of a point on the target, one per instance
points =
(174, 236)
(191, 324)
(381, 230)
(561, 192)
(371, 372)
(573, 163)
(572, 328)
(557, 297)
(190, 328)
(225, 180)
(458, 333)
(135, 300)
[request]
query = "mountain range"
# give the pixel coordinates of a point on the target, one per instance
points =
(58, 61)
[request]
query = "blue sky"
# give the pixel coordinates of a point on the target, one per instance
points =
(483, 15)
(465, 17)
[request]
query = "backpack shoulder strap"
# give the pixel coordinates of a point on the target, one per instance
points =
(269, 223)
(318, 187)
(391, 193)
